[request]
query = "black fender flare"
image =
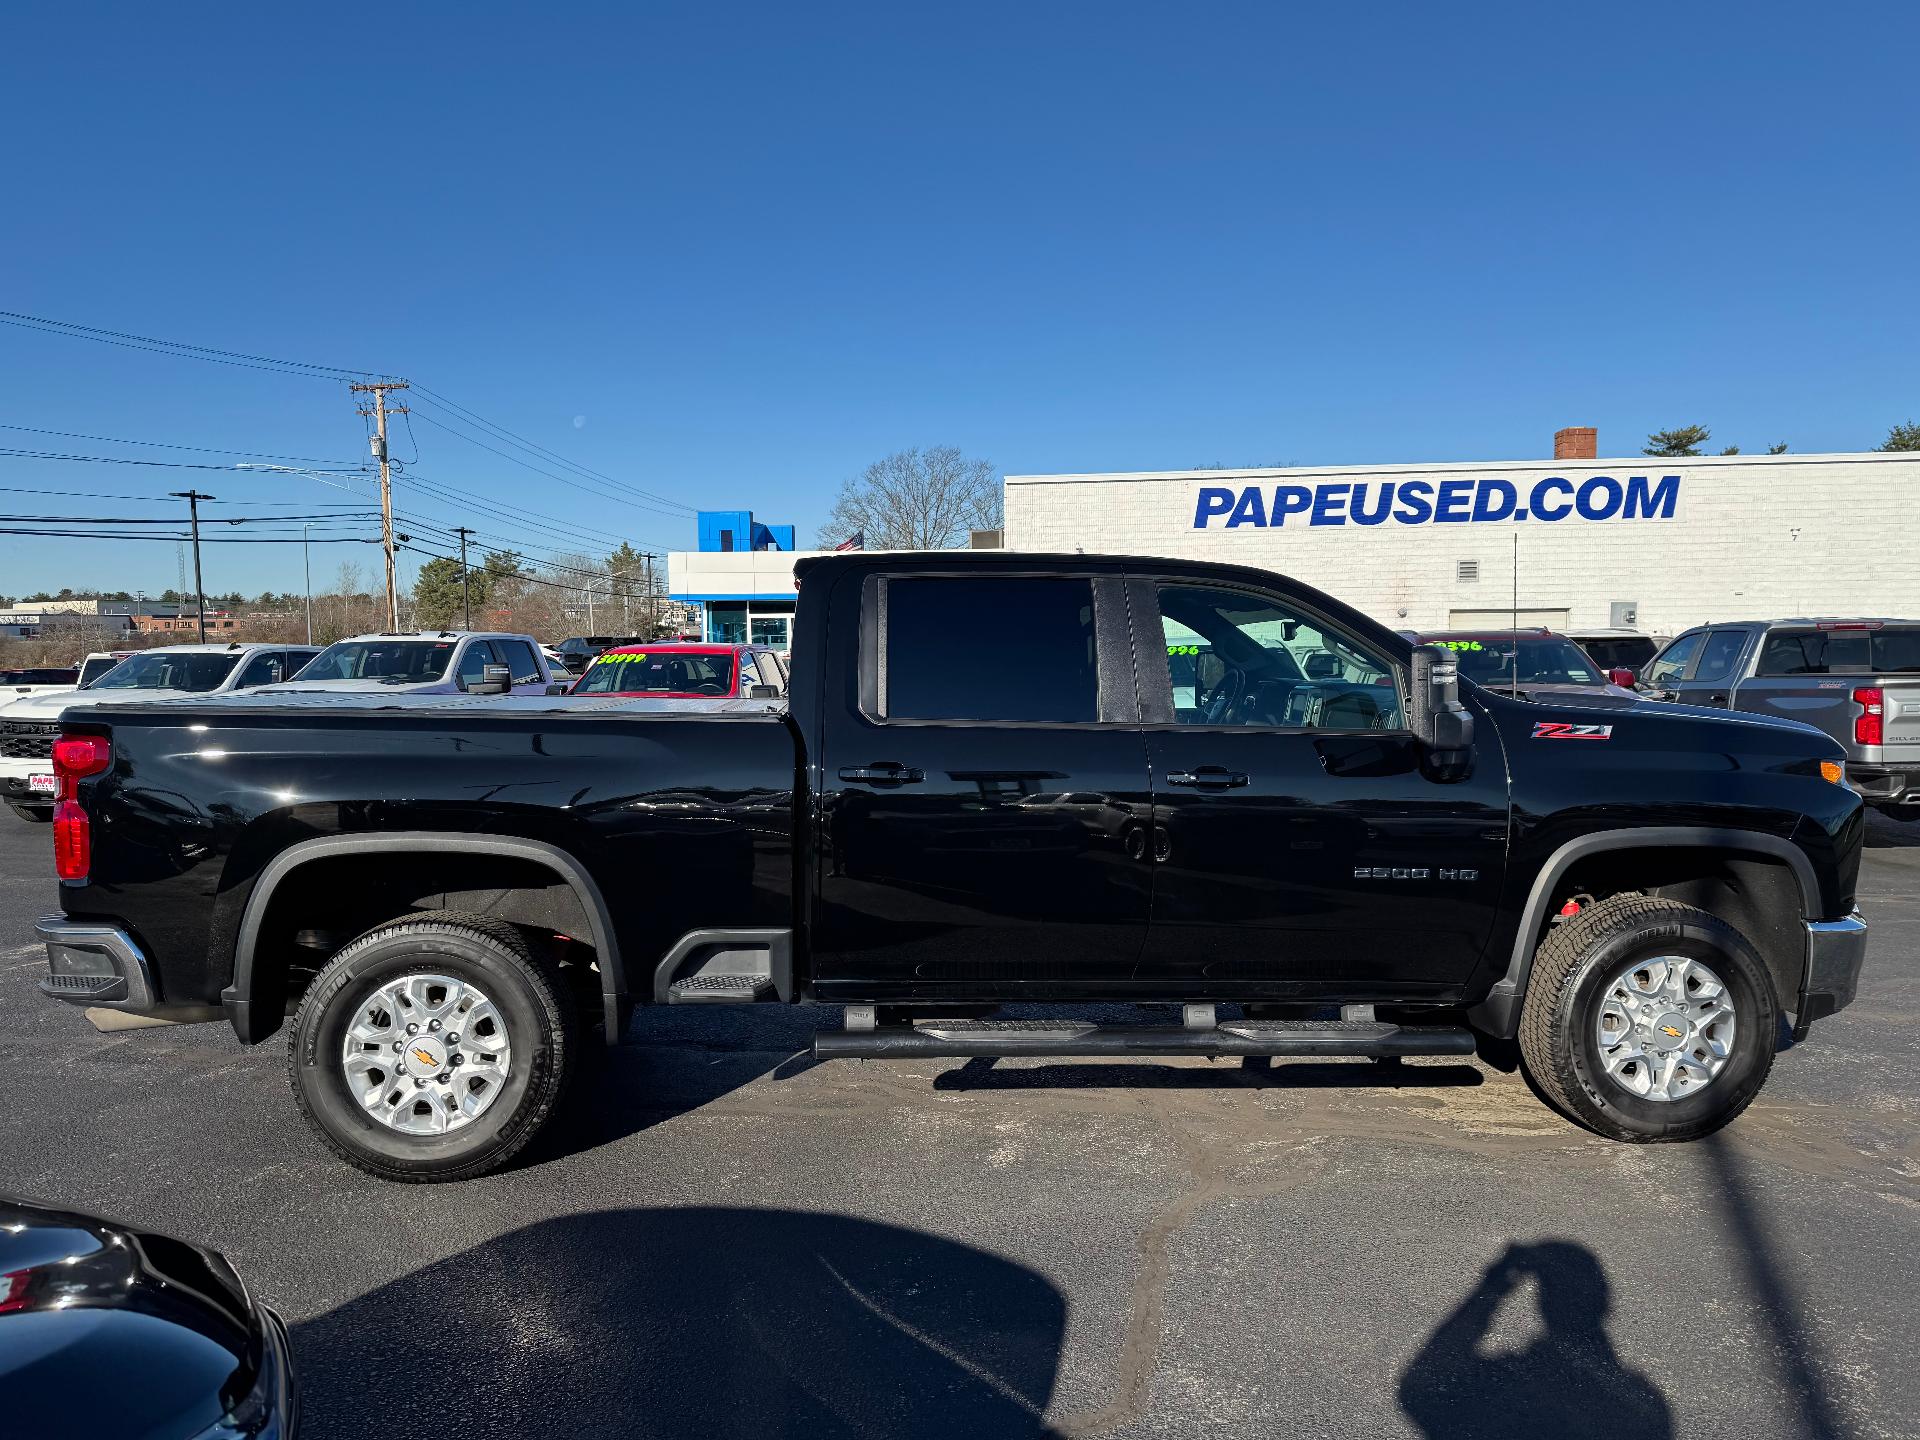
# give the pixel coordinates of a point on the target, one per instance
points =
(1499, 1013)
(237, 997)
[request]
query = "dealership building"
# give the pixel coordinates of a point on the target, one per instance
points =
(1657, 544)
(1650, 543)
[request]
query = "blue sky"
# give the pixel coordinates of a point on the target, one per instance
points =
(730, 254)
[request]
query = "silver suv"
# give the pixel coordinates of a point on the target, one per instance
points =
(427, 662)
(1858, 680)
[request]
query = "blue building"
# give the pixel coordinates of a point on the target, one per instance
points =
(741, 577)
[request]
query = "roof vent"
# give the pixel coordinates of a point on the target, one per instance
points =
(1467, 570)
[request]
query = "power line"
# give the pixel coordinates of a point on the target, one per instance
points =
(24, 454)
(177, 348)
(535, 447)
(164, 445)
(540, 470)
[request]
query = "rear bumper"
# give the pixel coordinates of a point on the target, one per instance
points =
(95, 964)
(1881, 783)
(1836, 949)
(99, 966)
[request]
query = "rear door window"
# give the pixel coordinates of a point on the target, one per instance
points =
(990, 648)
(519, 655)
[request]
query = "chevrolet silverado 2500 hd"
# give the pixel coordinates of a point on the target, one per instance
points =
(995, 778)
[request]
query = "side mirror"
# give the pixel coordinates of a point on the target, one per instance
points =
(763, 692)
(1623, 677)
(555, 688)
(494, 680)
(1439, 719)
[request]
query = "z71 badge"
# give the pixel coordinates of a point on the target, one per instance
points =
(1560, 730)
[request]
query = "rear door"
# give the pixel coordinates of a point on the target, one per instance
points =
(1298, 845)
(984, 797)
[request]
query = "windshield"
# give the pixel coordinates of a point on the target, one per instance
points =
(1544, 660)
(391, 662)
(157, 670)
(658, 673)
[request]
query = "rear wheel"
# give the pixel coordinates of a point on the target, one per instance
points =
(1646, 1020)
(36, 814)
(433, 1047)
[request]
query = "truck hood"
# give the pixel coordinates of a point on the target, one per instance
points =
(1770, 731)
(298, 686)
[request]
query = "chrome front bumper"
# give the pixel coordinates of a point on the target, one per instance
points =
(1836, 949)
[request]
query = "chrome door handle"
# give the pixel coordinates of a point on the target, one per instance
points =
(886, 772)
(1207, 777)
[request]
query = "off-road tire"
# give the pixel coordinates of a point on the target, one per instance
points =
(1570, 969)
(476, 948)
(33, 814)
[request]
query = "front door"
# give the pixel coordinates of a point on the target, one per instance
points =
(1711, 680)
(984, 800)
(1301, 846)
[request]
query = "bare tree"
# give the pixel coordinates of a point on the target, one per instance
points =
(916, 500)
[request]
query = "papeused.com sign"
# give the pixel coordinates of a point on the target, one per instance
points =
(1441, 502)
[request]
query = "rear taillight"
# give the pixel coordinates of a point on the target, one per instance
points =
(72, 841)
(75, 757)
(1869, 725)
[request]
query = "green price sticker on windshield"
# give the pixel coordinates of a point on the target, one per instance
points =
(1459, 644)
(1183, 649)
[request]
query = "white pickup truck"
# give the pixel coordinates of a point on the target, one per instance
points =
(28, 724)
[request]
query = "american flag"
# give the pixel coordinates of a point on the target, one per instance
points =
(855, 541)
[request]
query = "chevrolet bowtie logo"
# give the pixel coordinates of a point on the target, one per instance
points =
(425, 1057)
(1664, 1030)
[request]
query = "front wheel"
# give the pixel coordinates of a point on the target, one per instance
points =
(433, 1047)
(1648, 1020)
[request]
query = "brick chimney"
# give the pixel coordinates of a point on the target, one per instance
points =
(1576, 442)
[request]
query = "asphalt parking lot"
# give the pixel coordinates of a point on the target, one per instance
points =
(730, 1240)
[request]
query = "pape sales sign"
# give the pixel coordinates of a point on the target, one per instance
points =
(1436, 502)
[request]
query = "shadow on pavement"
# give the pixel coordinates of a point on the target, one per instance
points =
(1886, 833)
(1801, 1369)
(1567, 1383)
(692, 1322)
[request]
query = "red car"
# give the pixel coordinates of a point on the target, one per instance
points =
(684, 670)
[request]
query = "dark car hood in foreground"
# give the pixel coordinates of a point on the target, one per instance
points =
(110, 1331)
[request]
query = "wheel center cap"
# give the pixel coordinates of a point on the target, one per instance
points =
(1670, 1031)
(424, 1057)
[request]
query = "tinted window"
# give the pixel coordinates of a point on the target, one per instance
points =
(200, 670)
(1526, 659)
(519, 655)
(1236, 658)
(1672, 661)
(1856, 652)
(39, 677)
(1717, 658)
(1624, 653)
(267, 668)
(991, 649)
(393, 662)
(92, 670)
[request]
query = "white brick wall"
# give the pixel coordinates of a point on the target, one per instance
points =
(1751, 536)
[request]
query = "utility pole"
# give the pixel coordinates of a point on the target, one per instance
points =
(653, 620)
(379, 411)
(193, 499)
(306, 555)
(466, 598)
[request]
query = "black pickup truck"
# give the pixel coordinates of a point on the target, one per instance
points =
(997, 778)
